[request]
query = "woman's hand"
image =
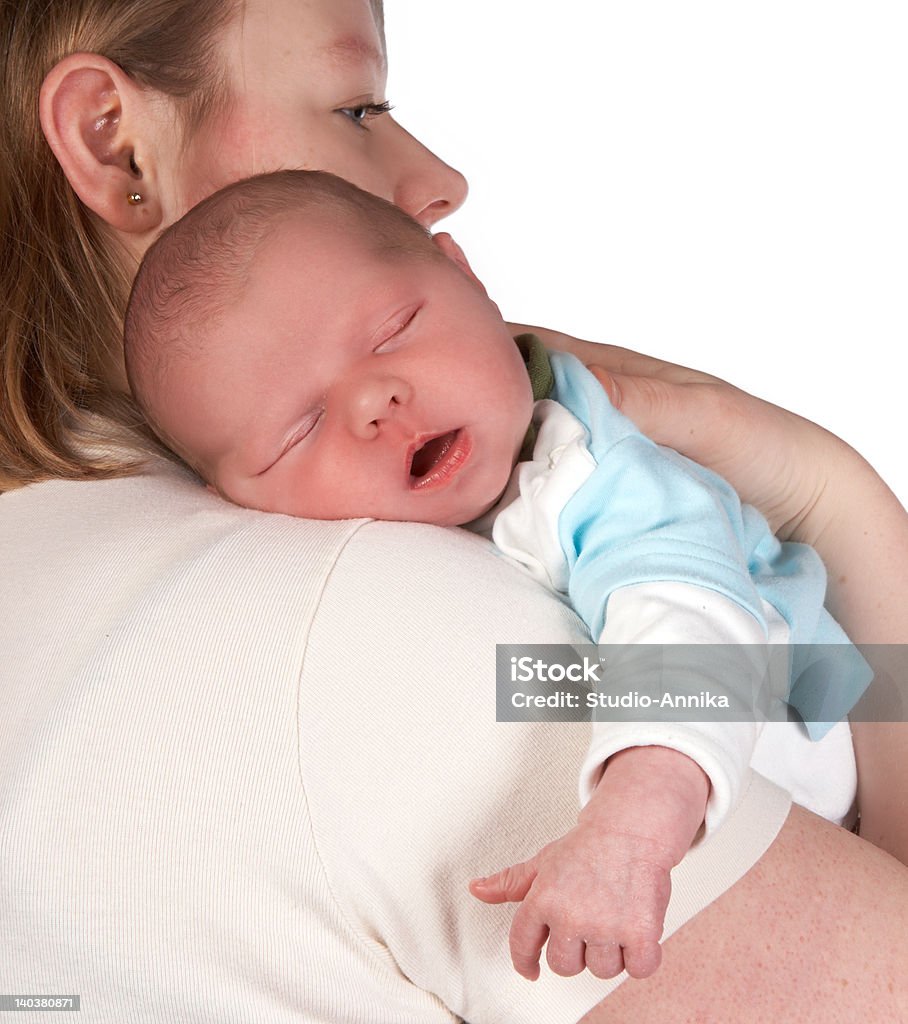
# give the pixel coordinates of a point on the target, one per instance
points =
(774, 459)
(809, 484)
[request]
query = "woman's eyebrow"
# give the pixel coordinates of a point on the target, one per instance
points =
(353, 49)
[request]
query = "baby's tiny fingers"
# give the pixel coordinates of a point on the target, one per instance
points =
(641, 959)
(509, 885)
(605, 960)
(527, 937)
(565, 955)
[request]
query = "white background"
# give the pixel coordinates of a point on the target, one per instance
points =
(721, 183)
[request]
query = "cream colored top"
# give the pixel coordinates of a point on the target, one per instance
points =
(249, 763)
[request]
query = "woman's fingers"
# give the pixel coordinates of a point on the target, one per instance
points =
(675, 411)
(660, 408)
(615, 359)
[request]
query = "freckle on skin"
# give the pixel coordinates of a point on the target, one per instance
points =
(843, 579)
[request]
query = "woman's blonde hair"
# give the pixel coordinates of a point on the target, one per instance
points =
(63, 282)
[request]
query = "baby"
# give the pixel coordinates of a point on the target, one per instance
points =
(310, 350)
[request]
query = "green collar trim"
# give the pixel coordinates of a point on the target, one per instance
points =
(539, 366)
(542, 381)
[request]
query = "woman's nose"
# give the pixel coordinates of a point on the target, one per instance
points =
(371, 402)
(426, 187)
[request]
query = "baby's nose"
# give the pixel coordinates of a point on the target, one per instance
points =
(372, 401)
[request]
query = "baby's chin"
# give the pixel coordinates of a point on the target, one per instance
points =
(454, 514)
(462, 510)
(470, 513)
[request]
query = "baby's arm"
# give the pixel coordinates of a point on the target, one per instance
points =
(600, 892)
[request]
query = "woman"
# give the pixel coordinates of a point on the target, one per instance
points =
(184, 840)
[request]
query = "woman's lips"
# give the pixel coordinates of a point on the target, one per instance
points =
(436, 459)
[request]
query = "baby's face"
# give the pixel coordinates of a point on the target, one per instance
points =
(347, 384)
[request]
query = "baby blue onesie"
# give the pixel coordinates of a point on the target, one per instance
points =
(606, 516)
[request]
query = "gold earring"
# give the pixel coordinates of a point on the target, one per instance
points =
(133, 199)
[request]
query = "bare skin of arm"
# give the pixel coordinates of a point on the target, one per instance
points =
(810, 485)
(776, 946)
(815, 931)
(596, 897)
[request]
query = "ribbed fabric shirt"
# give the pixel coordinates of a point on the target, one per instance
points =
(249, 763)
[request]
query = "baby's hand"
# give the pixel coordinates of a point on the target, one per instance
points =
(600, 898)
(600, 892)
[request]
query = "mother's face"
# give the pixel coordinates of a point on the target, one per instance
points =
(306, 83)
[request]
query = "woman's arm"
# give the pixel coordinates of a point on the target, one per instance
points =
(810, 485)
(773, 946)
(813, 488)
(439, 791)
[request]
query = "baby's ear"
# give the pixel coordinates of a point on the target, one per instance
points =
(453, 251)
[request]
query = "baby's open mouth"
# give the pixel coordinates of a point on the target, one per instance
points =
(431, 453)
(437, 458)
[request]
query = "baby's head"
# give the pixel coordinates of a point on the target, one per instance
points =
(309, 349)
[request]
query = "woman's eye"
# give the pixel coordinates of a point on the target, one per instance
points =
(361, 114)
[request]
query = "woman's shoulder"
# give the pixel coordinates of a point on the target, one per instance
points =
(129, 534)
(153, 548)
(164, 500)
(109, 546)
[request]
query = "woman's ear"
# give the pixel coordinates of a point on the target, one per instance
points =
(92, 115)
(453, 251)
